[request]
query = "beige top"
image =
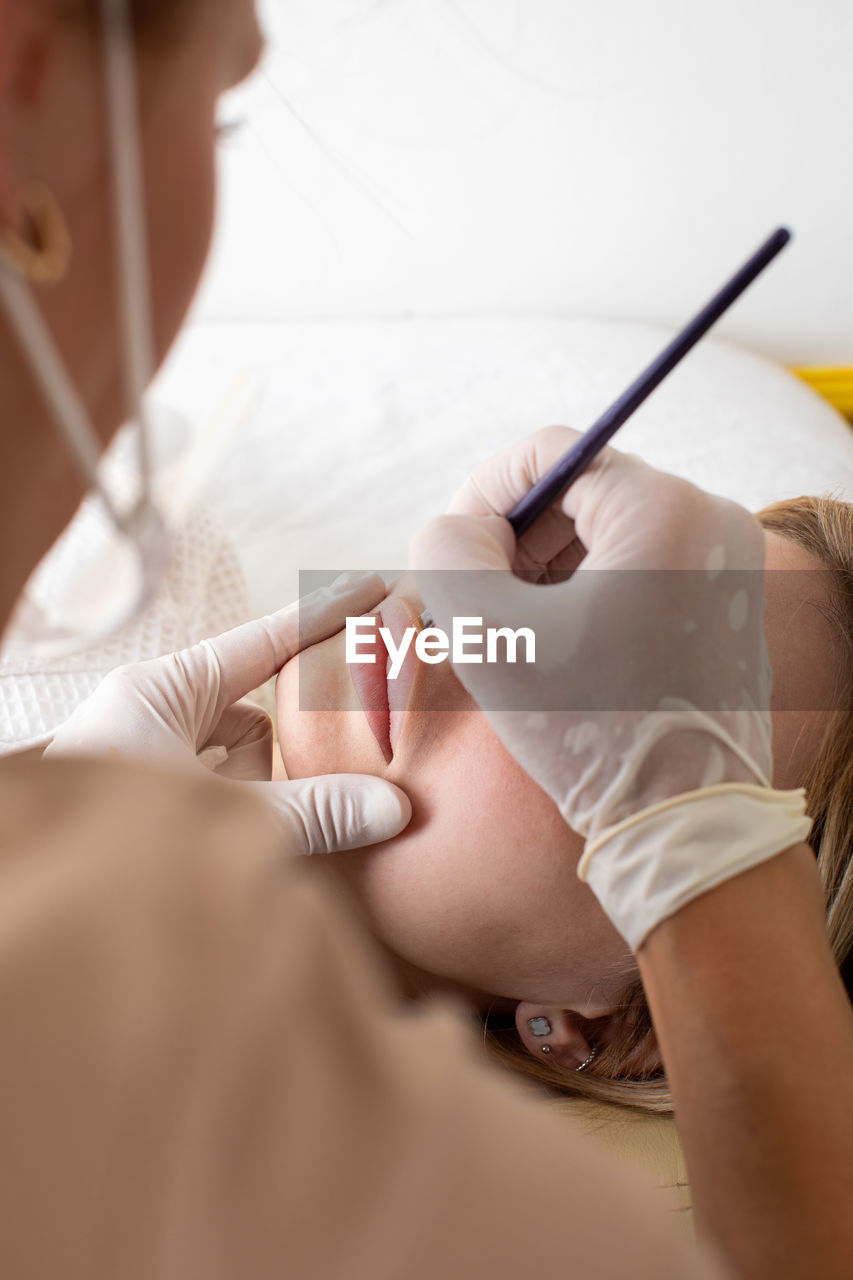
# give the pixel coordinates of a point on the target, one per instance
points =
(202, 1074)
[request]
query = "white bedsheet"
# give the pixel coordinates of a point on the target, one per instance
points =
(362, 430)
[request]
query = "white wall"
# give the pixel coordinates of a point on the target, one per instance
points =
(612, 158)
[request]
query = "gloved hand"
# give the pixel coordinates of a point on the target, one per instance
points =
(646, 714)
(187, 708)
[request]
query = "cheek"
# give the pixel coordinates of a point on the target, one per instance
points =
(482, 888)
(805, 659)
(797, 737)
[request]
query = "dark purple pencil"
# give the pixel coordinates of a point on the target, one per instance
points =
(556, 481)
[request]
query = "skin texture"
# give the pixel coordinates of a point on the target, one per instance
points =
(485, 898)
(758, 1042)
(52, 131)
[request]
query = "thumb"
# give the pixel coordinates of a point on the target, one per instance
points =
(336, 811)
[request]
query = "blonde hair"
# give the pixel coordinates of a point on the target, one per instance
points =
(823, 527)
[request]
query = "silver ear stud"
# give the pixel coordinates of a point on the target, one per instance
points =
(546, 1048)
(539, 1026)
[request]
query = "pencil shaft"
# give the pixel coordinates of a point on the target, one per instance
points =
(555, 481)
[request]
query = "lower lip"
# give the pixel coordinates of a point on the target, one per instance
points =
(371, 686)
(398, 619)
(385, 701)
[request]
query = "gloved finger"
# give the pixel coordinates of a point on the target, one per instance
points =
(462, 567)
(494, 487)
(551, 547)
(241, 745)
(336, 812)
(459, 562)
(631, 515)
(251, 654)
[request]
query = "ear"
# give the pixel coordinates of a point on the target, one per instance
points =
(570, 1038)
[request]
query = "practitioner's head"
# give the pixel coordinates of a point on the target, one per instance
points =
(56, 130)
(481, 890)
(54, 152)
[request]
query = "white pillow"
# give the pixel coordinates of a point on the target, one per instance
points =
(365, 429)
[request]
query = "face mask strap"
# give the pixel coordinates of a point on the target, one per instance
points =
(131, 240)
(141, 523)
(61, 394)
(26, 318)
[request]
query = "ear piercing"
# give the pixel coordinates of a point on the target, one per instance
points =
(546, 1048)
(588, 1060)
(542, 1027)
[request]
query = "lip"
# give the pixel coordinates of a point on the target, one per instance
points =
(371, 686)
(383, 701)
(398, 617)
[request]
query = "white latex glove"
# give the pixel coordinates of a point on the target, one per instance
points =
(651, 682)
(187, 709)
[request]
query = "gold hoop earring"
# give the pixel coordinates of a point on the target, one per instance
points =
(46, 261)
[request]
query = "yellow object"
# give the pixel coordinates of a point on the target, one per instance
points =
(835, 384)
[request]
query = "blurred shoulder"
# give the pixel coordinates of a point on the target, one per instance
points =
(107, 821)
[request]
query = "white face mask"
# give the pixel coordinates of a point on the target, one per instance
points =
(118, 579)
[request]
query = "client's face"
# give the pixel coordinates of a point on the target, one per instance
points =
(481, 889)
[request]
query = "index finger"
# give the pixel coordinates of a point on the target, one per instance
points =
(551, 546)
(494, 488)
(253, 653)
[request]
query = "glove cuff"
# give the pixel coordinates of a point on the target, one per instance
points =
(646, 868)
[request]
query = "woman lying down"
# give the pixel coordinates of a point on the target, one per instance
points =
(480, 896)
